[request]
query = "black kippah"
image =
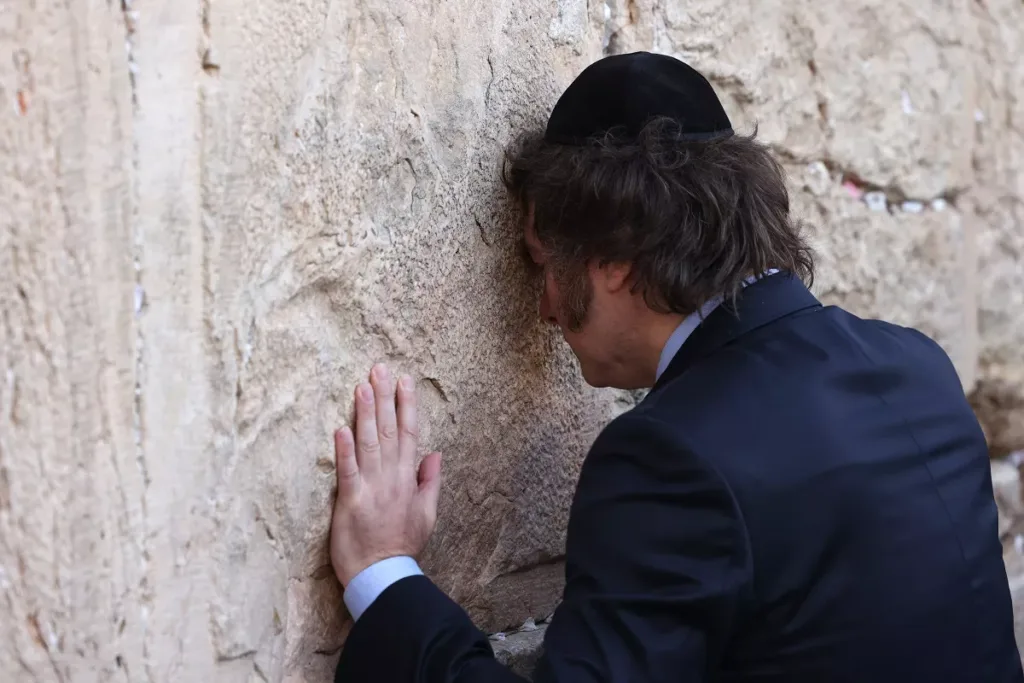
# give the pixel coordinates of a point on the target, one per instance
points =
(627, 91)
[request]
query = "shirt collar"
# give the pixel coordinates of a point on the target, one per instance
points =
(690, 323)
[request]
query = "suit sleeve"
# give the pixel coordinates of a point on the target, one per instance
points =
(657, 566)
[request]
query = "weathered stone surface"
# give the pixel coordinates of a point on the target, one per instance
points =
(1009, 496)
(520, 651)
(215, 215)
(73, 511)
(997, 208)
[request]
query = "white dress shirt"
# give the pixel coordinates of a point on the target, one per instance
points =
(375, 579)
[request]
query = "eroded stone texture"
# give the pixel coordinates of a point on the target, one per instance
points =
(218, 214)
(998, 212)
(73, 564)
(355, 151)
(519, 651)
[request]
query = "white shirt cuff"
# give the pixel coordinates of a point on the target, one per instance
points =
(374, 580)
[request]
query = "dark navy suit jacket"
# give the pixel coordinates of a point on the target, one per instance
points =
(804, 496)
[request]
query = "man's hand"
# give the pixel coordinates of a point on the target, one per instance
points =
(385, 507)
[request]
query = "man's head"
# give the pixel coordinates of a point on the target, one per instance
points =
(643, 205)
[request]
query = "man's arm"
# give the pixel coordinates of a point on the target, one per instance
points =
(414, 633)
(657, 563)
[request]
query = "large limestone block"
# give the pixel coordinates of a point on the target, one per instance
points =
(875, 89)
(353, 213)
(73, 515)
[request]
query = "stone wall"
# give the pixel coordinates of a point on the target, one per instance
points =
(215, 215)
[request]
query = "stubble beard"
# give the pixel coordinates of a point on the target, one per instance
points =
(577, 292)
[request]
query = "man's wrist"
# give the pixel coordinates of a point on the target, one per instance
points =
(347, 574)
(366, 586)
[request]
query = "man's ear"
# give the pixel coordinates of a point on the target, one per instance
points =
(614, 276)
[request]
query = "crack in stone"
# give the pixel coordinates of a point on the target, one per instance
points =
(546, 562)
(47, 640)
(247, 654)
(210, 62)
(483, 232)
(436, 383)
(490, 82)
(131, 18)
(889, 197)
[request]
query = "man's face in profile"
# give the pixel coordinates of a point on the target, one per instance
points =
(568, 299)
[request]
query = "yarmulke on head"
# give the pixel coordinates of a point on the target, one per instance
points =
(625, 92)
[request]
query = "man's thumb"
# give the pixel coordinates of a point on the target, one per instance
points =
(430, 482)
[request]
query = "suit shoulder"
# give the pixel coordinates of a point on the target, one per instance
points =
(639, 443)
(916, 345)
(638, 430)
(643, 470)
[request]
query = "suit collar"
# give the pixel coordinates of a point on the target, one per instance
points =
(690, 323)
(767, 300)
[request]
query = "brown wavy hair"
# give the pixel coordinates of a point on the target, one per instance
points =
(694, 219)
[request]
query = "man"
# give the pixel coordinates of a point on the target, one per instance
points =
(803, 496)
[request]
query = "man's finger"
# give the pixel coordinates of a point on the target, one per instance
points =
(387, 422)
(429, 478)
(408, 428)
(367, 446)
(345, 462)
